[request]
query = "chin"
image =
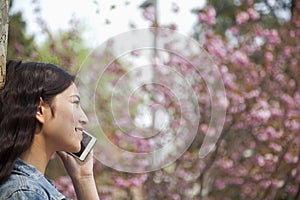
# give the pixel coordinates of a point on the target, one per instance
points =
(75, 149)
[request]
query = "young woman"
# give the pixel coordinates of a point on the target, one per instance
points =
(40, 115)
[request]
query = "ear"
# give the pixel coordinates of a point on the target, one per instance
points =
(40, 114)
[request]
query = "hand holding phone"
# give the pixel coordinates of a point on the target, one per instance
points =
(87, 143)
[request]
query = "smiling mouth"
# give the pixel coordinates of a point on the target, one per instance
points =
(78, 129)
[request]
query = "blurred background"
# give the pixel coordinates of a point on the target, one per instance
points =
(256, 46)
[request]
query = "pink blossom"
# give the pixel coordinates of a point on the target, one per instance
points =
(220, 184)
(229, 80)
(204, 127)
(247, 190)
(292, 83)
(273, 133)
(120, 182)
(201, 165)
(294, 172)
(297, 94)
(234, 30)
(269, 56)
(288, 100)
(175, 197)
(64, 185)
(149, 13)
(252, 94)
(292, 125)
(292, 189)
(265, 183)
(277, 183)
(292, 33)
(144, 145)
(135, 53)
(254, 15)
(242, 171)
(235, 181)
(106, 198)
(138, 181)
(216, 47)
(211, 12)
(257, 177)
(225, 163)
(242, 18)
(287, 51)
(172, 26)
(175, 124)
(237, 98)
(208, 16)
(270, 157)
(289, 158)
(272, 36)
(261, 111)
(261, 161)
(276, 112)
(294, 62)
(240, 58)
(275, 147)
(262, 137)
(181, 173)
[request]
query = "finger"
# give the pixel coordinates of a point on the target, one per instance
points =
(62, 154)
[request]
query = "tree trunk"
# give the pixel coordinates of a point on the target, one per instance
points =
(4, 19)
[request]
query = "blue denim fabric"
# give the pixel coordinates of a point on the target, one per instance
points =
(26, 182)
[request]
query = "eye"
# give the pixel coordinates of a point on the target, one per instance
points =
(77, 102)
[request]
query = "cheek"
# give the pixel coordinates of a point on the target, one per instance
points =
(76, 112)
(68, 112)
(65, 118)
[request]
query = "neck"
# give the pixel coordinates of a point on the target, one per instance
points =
(37, 155)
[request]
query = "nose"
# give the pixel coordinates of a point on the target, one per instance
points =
(83, 118)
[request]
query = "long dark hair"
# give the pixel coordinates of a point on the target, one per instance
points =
(26, 83)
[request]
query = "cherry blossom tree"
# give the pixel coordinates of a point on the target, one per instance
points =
(257, 154)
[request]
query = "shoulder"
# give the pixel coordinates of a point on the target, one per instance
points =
(26, 182)
(25, 187)
(22, 187)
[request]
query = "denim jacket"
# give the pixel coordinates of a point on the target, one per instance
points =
(26, 182)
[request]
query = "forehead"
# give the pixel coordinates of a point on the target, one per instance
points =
(71, 90)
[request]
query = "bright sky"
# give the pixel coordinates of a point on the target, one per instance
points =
(58, 13)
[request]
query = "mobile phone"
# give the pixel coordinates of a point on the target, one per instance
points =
(87, 143)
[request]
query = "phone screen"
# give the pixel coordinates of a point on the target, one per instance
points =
(87, 143)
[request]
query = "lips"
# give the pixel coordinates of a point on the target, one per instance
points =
(79, 129)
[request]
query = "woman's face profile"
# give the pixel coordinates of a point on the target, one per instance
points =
(63, 130)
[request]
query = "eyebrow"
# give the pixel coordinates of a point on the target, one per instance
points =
(75, 95)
